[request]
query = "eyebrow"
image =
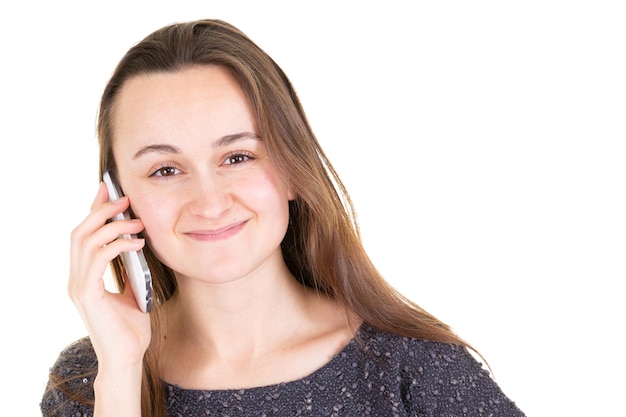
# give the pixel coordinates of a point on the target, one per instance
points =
(223, 141)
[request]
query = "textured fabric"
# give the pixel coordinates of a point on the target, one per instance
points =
(376, 374)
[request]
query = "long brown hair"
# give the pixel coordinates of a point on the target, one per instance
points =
(322, 246)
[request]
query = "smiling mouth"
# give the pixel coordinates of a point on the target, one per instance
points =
(213, 235)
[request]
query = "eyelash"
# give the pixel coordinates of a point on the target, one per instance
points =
(171, 166)
(165, 166)
(246, 156)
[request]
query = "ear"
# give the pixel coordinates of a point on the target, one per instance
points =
(291, 194)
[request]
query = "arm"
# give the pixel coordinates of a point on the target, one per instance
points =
(118, 331)
(451, 382)
(118, 392)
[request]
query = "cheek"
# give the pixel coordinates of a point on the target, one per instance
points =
(272, 200)
(269, 191)
(152, 213)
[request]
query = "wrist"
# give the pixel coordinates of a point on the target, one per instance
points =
(118, 391)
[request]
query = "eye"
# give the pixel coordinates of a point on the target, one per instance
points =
(165, 171)
(237, 158)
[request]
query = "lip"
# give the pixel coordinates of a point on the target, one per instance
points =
(214, 235)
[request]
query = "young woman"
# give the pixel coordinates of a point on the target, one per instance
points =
(265, 303)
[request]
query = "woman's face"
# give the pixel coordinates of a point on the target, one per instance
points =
(190, 159)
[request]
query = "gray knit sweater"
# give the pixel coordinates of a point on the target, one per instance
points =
(376, 374)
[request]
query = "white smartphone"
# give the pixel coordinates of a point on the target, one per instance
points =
(134, 262)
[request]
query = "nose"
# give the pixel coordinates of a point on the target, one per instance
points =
(209, 196)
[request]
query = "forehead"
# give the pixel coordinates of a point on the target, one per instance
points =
(178, 88)
(204, 98)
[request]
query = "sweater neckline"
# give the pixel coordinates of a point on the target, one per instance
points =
(320, 374)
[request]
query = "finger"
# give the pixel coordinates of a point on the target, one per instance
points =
(112, 231)
(93, 234)
(101, 247)
(94, 243)
(101, 197)
(86, 283)
(98, 217)
(101, 202)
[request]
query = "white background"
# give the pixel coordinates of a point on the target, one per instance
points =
(482, 142)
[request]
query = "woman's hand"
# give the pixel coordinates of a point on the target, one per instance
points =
(119, 331)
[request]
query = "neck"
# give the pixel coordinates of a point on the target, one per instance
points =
(257, 330)
(240, 318)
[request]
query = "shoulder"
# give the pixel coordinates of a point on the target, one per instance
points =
(435, 377)
(70, 385)
(76, 366)
(424, 354)
(76, 359)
